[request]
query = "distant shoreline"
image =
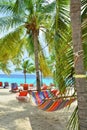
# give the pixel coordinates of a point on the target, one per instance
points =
(20, 76)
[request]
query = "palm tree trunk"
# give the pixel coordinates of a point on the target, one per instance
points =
(35, 36)
(81, 85)
(24, 76)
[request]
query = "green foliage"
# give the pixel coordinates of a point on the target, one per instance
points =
(25, 66)
(5, 17)
(49, 7)
(5, 67)
(30, 45)
(62, 45)
(7, 2)
(73, 121)
(44, 66)
(85, 55)
(28, 66)
(9, 45)
(83, 9)
(84, 28)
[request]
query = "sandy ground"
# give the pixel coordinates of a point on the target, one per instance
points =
(16, 115)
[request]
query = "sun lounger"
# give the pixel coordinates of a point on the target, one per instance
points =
(14, 87)
(6, 85)
(23, 96)
(25, 86)
(1, 85)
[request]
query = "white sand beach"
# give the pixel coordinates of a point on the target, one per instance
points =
(16, 115)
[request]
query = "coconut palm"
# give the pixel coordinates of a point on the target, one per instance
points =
(24, 19)
(80, 78)
(27, 67)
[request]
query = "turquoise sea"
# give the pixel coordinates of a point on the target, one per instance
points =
(19, 78)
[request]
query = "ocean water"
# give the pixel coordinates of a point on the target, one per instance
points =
(19, 79)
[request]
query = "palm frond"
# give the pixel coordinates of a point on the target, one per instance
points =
(4, 66)
(25, 65)
(7, 2)
(7, 19)
(84, 28)
(29, 45)
(48, 7)
(19, 8)
(73, 121)
(44, 66)
(62, 15)
(83, 9)
(84, 41)
(10, 45)
(30, 6)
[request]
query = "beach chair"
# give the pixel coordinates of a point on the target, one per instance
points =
(30, 86)
(25, 86)
(14, 87)
(55, 92)
(44, 87)
(6, 85)
(23, 96)
(1, 85)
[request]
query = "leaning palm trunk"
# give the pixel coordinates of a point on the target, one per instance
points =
(35, 36)
(80, 78)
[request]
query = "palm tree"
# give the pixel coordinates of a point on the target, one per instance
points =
(80, 79)
(25, 16)
(26, 67)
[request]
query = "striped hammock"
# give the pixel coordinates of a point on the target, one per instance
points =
(45, 100)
